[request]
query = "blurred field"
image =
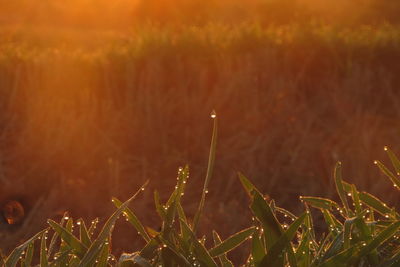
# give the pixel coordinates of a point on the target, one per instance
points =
(86, 115)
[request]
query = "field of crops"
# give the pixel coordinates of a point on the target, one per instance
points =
(86, 115)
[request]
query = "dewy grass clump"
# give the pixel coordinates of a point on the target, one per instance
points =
(361, 231)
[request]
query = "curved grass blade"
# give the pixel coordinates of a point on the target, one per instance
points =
(339, 187)
(320, 203)
(389, 174)
(210, 168)
(394, 159)
(97, 244)
(15, 255)
(133, 220)
(231, 242)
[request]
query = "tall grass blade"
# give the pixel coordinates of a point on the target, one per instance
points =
(133, 220)
(210, 168)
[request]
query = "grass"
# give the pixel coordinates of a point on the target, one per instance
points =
(360, 230)
(293, 100)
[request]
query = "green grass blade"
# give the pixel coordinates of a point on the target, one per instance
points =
(275, 253)
(225, 262)
(392, 262)
(334, 248)
(348, 224)
(339, 187)
(389, 174)
(374, 203)
(200, 251)
(319, 202)
(43, 251)
(92, 227)
(343, 258)
(333, 223)
(380, 238)
(84, 233)
(231, 242)
(55, 236)
(270, 224)
(73, 242)
(159, 208)
(210, 168)
(15, 255)
(356, 199)
(257, 249)
(29, 255)
(133, 220)
(97, 245)
(103, 258)
(170, 253)
(394, 159)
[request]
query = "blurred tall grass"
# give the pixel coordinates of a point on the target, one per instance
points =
(90, 114)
